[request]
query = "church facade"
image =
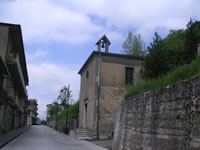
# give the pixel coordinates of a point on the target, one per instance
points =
(104, 77)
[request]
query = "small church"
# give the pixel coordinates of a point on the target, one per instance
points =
(104, 77)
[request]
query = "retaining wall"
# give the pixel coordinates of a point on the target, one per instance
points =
(164, 119)
(61, 124)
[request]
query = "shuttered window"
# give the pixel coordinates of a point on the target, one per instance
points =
(129, 75)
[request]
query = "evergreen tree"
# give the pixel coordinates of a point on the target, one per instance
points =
(156, 62)
(192, 39)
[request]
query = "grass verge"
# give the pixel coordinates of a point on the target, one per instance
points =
(180, 73)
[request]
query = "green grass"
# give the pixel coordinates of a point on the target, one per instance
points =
(73, 112)
(180, 73)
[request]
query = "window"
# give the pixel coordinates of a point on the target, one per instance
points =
(87, 75)
(86, 112)
(129, 75)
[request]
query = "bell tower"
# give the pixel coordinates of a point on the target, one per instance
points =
(103, 42)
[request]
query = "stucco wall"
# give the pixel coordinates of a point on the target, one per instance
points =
(3, 41)
(113, 74)
(112, 90)
(88, 95)
(165, 119)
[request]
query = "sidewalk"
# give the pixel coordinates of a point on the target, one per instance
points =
(106, 143)
(6, 138)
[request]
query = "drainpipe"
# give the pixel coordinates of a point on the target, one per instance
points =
(99, 85)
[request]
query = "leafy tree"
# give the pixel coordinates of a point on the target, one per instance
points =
(54, 109)
(134, 45)
(174, 44)
(156, 62)
(65, 96)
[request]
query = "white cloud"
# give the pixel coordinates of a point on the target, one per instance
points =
(37, 55)
(43, 21)
(142, 16)
(70, 21)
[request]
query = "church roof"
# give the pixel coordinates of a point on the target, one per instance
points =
(96, 53)
(105, 39)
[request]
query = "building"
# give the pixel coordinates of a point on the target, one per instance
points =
(32, 112)
(13, 78)
(104, 77)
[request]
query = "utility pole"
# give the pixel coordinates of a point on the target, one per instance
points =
(98, 97)
(67, 107)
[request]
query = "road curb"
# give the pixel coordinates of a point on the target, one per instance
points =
(5, 141)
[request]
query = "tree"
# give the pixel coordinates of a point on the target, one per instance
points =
(65, 98)
(54, 109)
(156, 62)
(174, 44)
(192, 39)
(134, 45)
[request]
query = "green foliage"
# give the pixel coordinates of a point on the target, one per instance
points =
(192, 39)
(156, 62)
(134, 45)
(180, 73)
(73, 112)
(174, 44)
(178, 48)
(54, 108)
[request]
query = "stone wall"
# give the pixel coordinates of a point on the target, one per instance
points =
(61, 124)
(164, 119)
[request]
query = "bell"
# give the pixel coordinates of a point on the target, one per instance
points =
(102, 44)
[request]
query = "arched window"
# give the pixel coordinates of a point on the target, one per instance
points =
(87, 74)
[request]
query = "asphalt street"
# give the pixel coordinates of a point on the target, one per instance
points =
(44, 138)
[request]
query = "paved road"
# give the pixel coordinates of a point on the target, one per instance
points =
(45, 138)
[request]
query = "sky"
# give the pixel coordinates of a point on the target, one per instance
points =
(60, 35)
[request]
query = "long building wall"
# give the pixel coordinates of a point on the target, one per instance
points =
(12, 98)
(164, 119)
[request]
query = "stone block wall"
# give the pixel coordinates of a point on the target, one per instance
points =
(164, 119)
(61, 124)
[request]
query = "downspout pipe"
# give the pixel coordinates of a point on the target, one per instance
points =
(98, 98)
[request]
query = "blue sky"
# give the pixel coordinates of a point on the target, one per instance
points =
(60, 35)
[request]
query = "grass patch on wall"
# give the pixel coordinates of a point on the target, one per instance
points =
(73, 112)
(180, 73)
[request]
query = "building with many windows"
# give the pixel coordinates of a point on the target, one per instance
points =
(104, 77)
(13, 78)
(32, 112)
